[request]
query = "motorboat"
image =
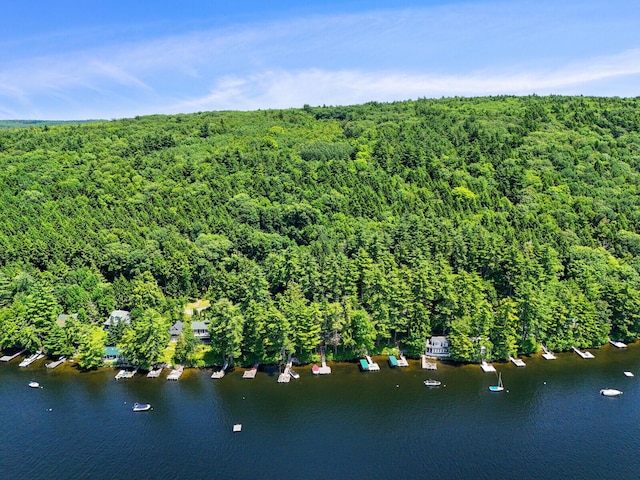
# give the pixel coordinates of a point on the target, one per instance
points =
(432, 383)
(610, 392)
(141, 407)
(294, 374)
(315, 369)
(499, 387)
(34, 384)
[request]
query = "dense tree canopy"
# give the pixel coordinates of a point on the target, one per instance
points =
(504, 222)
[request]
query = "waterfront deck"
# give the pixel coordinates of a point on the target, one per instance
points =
(426, 364)
(547, 355)
(583, 354)
(32, 358)
(175, 374)
(8, 358)
(517, 362)
(120, 374)
(323, 369)
(57, 363)
(251, 373)
(154, 372)
(487, 367)
(618, 344)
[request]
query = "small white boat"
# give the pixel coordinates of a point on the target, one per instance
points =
(610, 392)
(499, 387)
(34, 384)
(141, 407)
(294, 374)
(432, 383)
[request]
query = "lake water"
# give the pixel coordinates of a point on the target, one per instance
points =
(550, 422)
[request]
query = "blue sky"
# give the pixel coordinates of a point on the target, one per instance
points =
(111, 59)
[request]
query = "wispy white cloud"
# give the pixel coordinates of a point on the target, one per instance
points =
(282, 89)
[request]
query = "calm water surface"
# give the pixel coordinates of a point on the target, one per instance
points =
(550, 422)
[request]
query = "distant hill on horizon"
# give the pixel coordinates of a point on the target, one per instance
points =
(38, 123)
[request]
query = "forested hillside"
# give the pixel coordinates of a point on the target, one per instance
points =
(501, 222)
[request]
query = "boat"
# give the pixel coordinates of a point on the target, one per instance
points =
(315, 369)
(628, 374)
(499, 387)
(294, 374)
(432, 383)
(141, 407)
(393, 361)
(610, 392)
(34, 384)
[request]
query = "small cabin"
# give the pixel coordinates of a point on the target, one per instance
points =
(437, 347)
(112, 355)
(201, 330)
(116, 317)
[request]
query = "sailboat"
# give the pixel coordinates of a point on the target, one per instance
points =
(499, 387)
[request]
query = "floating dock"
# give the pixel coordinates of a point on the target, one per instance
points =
(120, 374)
(583, 354)
(58, 362)
(628, 374)
(618, 344)
(426, 364)
(487, 367)
(125, 374)
(251, 373)
(8, 358)
(402, 361)
(547, 355)
(175, 373)
(237, 427)
(154, 372)
(517, 362)
(29, 360)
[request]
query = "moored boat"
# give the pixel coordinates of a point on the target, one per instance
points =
(34, 384)
(499, 387)
(432, 383)
(315, 369)
(610, 392)
(141, 407)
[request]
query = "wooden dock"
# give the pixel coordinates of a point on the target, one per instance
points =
(324, 369)
(285, 377)
(487, 367)
(220, 373)
(583, 354)
(8, 358)
(517, 362)
(618, 344)
(426, 364)
(175, 373)
(154, 372)
(402, 361)
(373, 366)
(251, 373)
(58, 362)
(547, 355)
(32, 358)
